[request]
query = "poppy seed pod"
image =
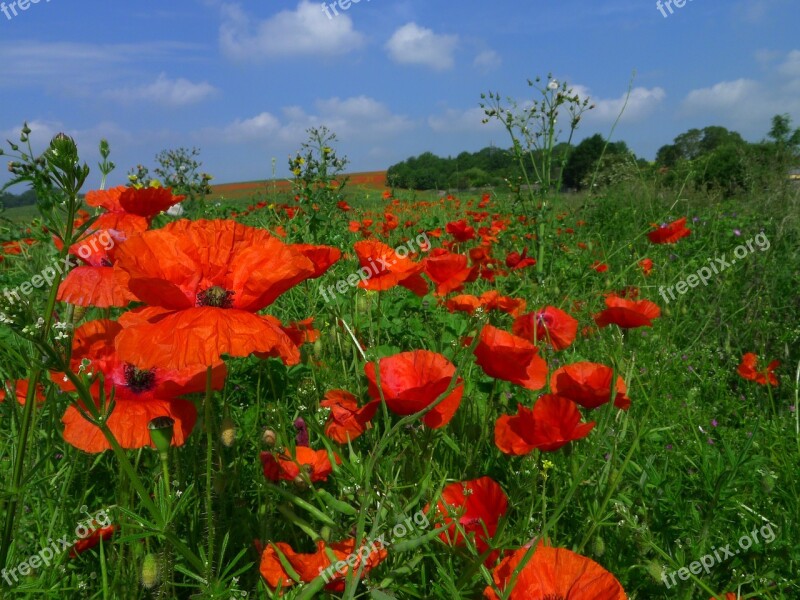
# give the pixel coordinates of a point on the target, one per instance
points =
(161, 430)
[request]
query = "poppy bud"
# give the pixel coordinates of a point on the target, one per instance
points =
(318, 348)
(161, 430)
(269, 437)
(227, 433)
(150, 572)
(300, 482)
(362, 304)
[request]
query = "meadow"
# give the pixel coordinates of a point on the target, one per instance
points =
(516, 408)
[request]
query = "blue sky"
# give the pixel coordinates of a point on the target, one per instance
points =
(393, 78)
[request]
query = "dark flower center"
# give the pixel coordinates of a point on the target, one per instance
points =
(215, 296)
(139, 380)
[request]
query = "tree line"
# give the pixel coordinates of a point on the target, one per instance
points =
(713, 158)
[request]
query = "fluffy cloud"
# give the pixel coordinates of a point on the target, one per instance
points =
(415, 45)
(356, 118)
(640, 104)
(164, 91)
(306, 31)
(748, 103)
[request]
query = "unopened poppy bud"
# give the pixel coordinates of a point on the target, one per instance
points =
(227, 433)
(599, 547)
(161, 430)
(318, 348)
(151, 574)
(300, 482)
(269, 437)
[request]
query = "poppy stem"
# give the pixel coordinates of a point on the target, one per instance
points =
(209, 426)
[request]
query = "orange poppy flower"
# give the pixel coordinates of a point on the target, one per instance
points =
(322, 257)
(315, 463)
(347, 421)
(505, 356)
(411, 381)
(19, 389)
(387, 269)
(550, 324)
(671, 233)
(210, 277)
(448, 271)
(600, 267)
(589, 384)
(748, 369)
(554, 573)
(476, 506)
(140, 395)
(301, 332)
(310, 566)
(553, 422)
(647, 265)
(627, 313)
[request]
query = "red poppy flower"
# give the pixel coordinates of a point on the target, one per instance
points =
(387, 269)
(599, 266)
(92, 540)
(550, 324)
(448, 271)
(669, 234)
(460, 230)
(627, 313)
(19, 390)
(589, 384)
(748, 369)
(505, 356)
(412, 381)
(647, 265)
(142, 202)
(554, 573)
(515, 260)
(347, 421)
(553, 422)
(210, 277)
(315, 463)
(476, 506)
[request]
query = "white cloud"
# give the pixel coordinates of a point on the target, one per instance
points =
(640, 104)
(748, 104)
(415, 45)
(486, 61)
(164, 91)
(305, 31)
(356, 118)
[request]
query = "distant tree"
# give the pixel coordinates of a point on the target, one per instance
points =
(582, 162)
